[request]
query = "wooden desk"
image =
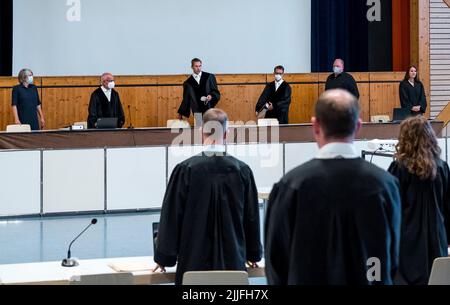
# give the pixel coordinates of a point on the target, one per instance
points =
(164, 136)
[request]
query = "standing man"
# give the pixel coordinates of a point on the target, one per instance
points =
(336, 219)
(105, 103)
(276, 98)
(341, 80)
(210, 214)
(200, 91)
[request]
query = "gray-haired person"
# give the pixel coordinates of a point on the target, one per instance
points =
(26, 105)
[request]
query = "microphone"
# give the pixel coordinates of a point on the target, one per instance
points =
(72, 262)
(129, 116)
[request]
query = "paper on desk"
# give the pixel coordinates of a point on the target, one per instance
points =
(132, 267)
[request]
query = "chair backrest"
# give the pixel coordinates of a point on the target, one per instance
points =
(18, 128)
(380, 119)
(268, 122)
(120, 278)
(84, 124)
(178, 124)
(440, 274)
(215, 278)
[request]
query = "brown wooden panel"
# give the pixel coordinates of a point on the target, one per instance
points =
(155, 99)
(239, 101)
(63, 107)
(384, 98)
(141, 103)
(304, 98)
(240, 79)
(168, 100)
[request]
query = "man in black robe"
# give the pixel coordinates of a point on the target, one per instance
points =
(200, 92)
(105, 103)
(276, 98)
(210, 214)
(341, 79)
(336, 219)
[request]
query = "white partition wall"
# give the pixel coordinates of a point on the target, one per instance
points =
(20, 177)
(73, 180)
(136, 178)
(297, 154)
(265, 160)
(178, 154)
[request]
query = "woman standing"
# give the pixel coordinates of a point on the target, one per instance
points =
(425, 190)
(26, 105)
(412, 93)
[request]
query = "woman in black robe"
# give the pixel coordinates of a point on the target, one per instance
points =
(424, 187)
(412, 93)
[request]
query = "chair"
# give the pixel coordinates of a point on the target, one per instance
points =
(178, 124)
(122, 278)
(84, 124)
(380, 119)
(18, 128)
(440, 273)
(268, 122)
(215, 278)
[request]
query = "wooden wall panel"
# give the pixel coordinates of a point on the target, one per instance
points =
(384, 93)
(155, 99)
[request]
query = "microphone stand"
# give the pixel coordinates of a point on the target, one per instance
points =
(73, 262)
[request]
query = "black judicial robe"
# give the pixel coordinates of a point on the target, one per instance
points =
(281, 100)
(425, 222)
(326, 218)
(100, 107)
(193, 92)
(411, 96)
(342, 81)
(210, 217)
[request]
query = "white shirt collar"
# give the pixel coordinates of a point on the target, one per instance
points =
(215, 148)
(104, 89)
(278, 84)
(199, 75)
(337, 151)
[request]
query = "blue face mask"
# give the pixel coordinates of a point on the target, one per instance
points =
(30, 79)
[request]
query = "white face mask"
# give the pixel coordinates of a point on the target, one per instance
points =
(337, 70)
(278, 77)
(30, 79)
(111, 85)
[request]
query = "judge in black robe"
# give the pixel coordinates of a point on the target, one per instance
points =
(425, 222)
(210, 216)
(412, 93)
(276, 97)
(328, 218)
(194, 91)
(101, 107)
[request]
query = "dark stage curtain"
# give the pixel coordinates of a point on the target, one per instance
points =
(6, 47)
(340, 29)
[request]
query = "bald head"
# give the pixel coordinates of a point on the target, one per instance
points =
(337, 113)
(215, 126)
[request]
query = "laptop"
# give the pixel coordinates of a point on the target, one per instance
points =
(401, 114)
(107, 123)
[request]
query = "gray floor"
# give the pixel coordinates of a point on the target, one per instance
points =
(47, 239)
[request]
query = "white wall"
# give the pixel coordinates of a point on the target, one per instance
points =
(161, 37)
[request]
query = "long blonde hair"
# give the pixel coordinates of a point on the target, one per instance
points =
(418, 148)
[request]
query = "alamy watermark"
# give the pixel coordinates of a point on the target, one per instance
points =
(73, 13)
